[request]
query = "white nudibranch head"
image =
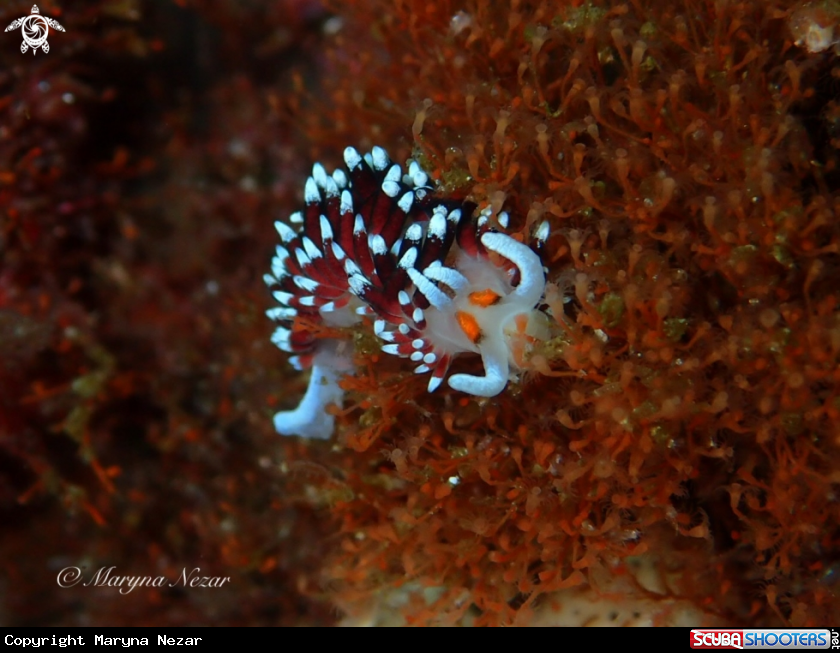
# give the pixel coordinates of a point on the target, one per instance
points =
(436, 280)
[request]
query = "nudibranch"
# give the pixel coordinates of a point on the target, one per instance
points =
(435, 280)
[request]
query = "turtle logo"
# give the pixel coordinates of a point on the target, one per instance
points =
(34, 28)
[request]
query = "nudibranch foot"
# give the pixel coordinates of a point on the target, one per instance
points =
(311, 419)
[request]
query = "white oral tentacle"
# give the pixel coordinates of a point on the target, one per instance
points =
(496, 371)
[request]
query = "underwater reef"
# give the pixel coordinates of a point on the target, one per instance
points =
(667, 438)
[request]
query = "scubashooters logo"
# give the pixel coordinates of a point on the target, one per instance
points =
(35, 29)
(793, 638)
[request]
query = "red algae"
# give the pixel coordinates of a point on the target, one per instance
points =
(680, 416)
(131, 432)
(682, 408)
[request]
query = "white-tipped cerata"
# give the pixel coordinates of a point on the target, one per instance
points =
(287, 234)
(352, 158)
(380, 158)
(436, 297)
(311, 194)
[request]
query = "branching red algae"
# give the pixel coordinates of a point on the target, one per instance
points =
(684, 407)
(132, 432)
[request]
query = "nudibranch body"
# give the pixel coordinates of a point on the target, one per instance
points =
(435, 280)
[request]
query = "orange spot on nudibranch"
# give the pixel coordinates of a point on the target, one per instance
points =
(484, 298)
(469, 325)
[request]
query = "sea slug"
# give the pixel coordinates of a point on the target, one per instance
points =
(435, 279)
